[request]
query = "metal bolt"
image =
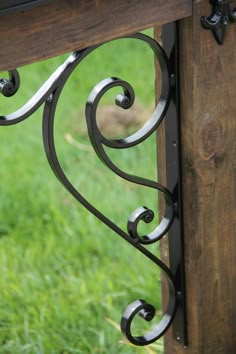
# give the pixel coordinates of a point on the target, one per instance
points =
(172, 80)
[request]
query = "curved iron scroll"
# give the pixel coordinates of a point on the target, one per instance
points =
(49, 94)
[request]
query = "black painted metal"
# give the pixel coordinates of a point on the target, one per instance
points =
(8, 87)
(9, 6)
(219, 20)
(173, 176)
(49, 94)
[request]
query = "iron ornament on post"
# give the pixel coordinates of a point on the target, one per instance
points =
(49, 94)
(219, 20)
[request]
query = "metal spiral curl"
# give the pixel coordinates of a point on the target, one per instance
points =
(49, 94)
(98, 140)
(8, 87)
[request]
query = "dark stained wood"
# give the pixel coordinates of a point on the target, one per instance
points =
(208, 81)
(67, 25)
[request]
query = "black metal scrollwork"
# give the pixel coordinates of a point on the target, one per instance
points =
(49, 94)
(98, 140)
(8, 87)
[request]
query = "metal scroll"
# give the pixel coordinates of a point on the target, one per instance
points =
(49, 94)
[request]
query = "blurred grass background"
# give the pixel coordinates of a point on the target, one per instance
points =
(65, 277)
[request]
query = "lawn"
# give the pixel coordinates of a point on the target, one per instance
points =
(65, 277)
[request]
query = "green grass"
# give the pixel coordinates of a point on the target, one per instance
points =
(65, 277)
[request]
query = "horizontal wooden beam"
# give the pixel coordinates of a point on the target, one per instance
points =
(67, 25)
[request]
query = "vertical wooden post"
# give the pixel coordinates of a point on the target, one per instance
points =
(208, 134)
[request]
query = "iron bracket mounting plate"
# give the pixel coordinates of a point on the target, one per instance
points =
(173, 176)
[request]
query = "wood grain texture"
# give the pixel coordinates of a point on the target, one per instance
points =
(67, 25)
(208, 106)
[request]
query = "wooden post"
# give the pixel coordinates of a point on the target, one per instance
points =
(208, 133)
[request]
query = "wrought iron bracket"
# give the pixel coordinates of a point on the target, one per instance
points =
(219, 20)
(171, 223)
